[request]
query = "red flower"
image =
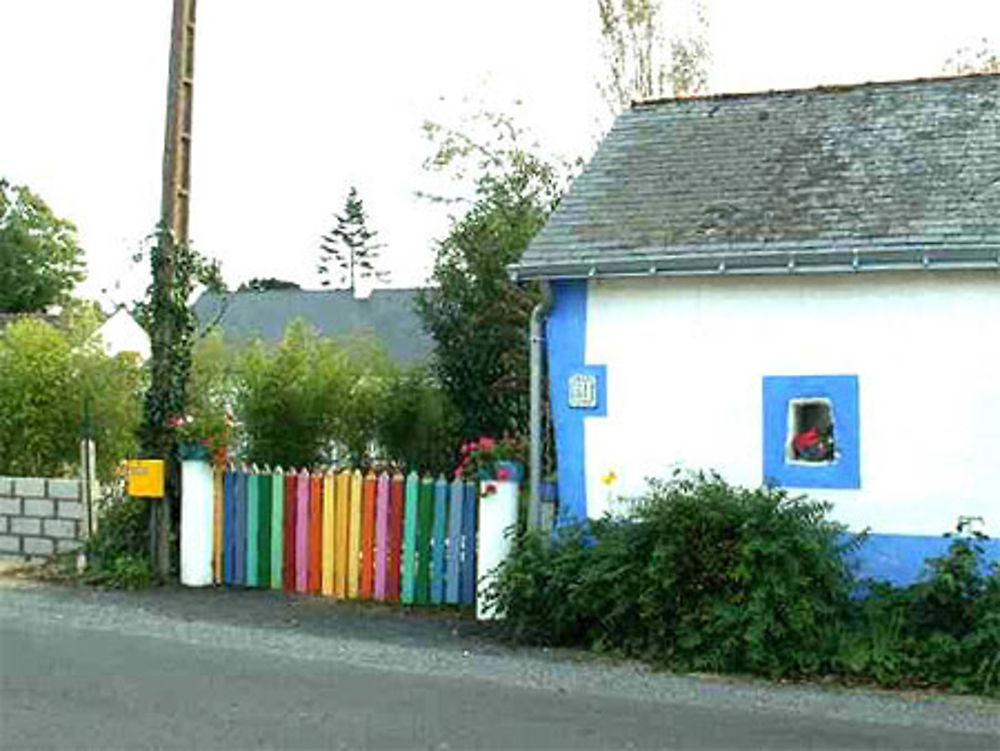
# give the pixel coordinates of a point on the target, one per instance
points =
(490, 489)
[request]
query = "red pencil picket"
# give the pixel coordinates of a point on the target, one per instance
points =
(394, 558)
(314, 577)
(368, 537)
(288, 547)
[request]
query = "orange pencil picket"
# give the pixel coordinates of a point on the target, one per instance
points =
(329, 481)
(368, 537)
(354, 537)
(340, 521)
(315, 533)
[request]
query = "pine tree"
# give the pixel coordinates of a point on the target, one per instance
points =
(349, 252)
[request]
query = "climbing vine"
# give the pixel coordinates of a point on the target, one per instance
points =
(172, 325)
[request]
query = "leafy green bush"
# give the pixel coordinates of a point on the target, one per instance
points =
(287, 397)
(705, 576)
(418, 427)
(702, 576)
(118, 552)
(47, 376)
(943, 630)
(310, 399)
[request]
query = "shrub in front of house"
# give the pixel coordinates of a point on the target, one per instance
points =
(704, 576)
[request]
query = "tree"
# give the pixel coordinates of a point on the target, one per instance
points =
(477, 316)
(643, 63)
(40, 261)
(967, 61)
(349, 252)
(266, 284)
(54, 380)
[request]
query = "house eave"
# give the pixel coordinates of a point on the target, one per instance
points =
(966, 257)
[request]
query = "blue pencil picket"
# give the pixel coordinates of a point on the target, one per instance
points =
(454, 548)
(467, 587)
(439, 535)
(252, 523)
(229, 527)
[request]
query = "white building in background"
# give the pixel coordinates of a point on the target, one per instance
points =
(121, 333)
(798, 288)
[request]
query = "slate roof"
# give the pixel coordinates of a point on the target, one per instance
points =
(389, 314)
(856, 177)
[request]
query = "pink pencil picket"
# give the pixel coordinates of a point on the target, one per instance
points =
(381, 534)
(302, 534)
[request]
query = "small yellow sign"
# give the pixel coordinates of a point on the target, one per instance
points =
(144, 478)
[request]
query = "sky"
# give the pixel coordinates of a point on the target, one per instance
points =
(297, 101)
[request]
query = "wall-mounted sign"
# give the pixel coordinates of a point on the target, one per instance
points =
(144, 478)
(582, 391)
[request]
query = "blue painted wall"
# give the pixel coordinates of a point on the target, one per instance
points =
(899, 559)
(566, 335)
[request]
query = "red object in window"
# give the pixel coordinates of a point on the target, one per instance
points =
(806, 440)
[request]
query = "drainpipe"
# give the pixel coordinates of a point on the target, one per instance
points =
(537, 337)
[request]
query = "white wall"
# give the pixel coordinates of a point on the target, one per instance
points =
(686, 357)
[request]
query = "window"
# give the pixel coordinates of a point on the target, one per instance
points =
(810, 435)
(811, 431)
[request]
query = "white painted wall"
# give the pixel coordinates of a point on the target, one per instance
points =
(121, 333)
(686, 357)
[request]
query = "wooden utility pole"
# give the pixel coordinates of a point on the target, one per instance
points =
(174, 211)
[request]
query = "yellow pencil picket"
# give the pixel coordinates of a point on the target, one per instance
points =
(217, 522)
(354, 549)
(340, 521)
(329, 479)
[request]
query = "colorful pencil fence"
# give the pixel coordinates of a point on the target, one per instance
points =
(345, 534)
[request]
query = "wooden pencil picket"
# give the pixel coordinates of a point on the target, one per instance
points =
(345, 534)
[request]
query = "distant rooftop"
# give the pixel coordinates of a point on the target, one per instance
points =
(835, 178)
(388, 314)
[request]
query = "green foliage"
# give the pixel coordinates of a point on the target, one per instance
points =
(476, 314)
(349, 252)
(708, 577)
(417, 426)
(703, 576)
(644, 60)
(40, 261)
(118, 553)
(266, 284)
(310, 400)
(943, 630)
(167, 316)
(49, 379)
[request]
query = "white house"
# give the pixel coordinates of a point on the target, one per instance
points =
(799, 288)
(121, 333)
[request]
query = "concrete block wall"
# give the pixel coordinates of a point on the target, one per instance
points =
(40, 516)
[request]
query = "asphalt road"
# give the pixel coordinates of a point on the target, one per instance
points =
(241, 670)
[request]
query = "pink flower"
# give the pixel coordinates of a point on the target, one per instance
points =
(504, 473)
(458, 473)
(486, 443)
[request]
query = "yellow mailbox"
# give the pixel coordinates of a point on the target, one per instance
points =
(144, 478)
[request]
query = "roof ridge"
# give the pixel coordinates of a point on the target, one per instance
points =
(835, 88)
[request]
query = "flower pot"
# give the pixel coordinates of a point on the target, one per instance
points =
(193, 452)
(510, 471)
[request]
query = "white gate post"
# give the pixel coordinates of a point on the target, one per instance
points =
(197, 511)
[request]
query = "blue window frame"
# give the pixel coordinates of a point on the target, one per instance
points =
(830, 401)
